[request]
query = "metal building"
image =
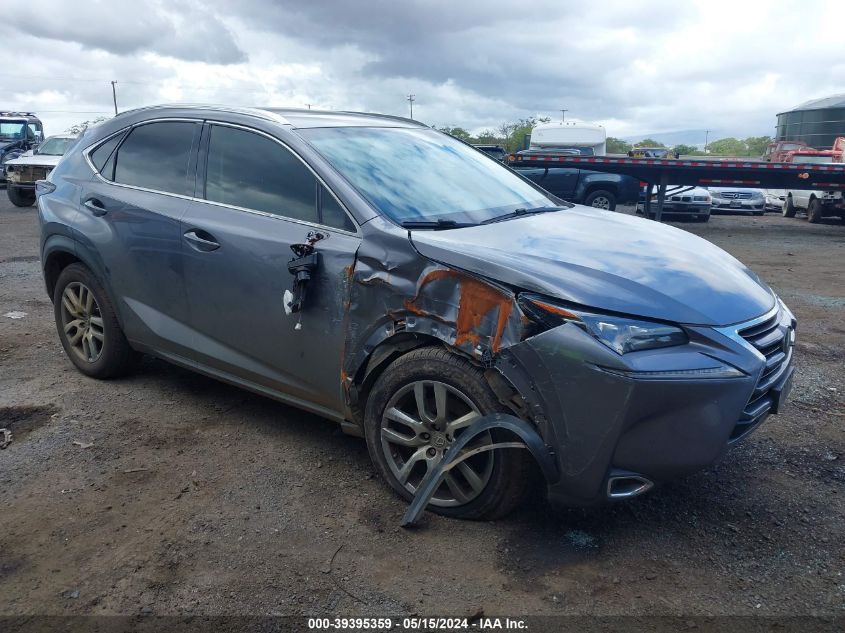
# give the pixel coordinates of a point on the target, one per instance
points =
(817, 122)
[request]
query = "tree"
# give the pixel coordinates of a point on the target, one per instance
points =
(457, 132)
(488, 137)
(648, 142)
(79, 128)
(617, 145)
(513, 133)
(727, 147)
(685, 150)
(757, 145)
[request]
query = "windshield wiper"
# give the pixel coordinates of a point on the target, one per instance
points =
(520, 212)
(435, 225)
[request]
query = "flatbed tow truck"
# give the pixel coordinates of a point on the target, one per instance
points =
(661, 173)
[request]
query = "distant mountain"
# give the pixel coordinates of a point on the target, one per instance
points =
(691, 137)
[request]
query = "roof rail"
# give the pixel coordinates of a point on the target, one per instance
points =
(12, 113)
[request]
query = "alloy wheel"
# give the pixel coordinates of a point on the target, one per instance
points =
(418, 426)
(601, 202)
(82, 322)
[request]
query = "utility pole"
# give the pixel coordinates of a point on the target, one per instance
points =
(706, 137)
(114, 96)
(308, 105)
(563, 115)
(411, 99)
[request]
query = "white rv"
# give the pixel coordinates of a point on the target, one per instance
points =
(585, 138)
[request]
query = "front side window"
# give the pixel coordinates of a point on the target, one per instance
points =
(413, 174)
(156, 156)
(252, 171)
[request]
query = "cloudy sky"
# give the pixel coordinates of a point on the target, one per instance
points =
(636, 67)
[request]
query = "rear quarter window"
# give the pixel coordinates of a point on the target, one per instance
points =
(156, 156)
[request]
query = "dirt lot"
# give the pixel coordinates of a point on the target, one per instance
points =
(168, 492)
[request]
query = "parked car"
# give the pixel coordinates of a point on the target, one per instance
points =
(590, 188)
(816, 203)
(649, 152)
(774, 199)
(496, 151)
(19, 132)
(22, 172)
(428, 287)
(737, 200)
(681, 201)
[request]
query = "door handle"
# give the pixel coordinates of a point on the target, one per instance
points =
(201, 240)
(95, 207)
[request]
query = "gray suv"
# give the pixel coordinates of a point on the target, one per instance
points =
(405, 285)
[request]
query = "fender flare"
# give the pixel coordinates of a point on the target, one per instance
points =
(530, 440)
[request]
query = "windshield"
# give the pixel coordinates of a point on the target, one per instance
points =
(12, 130)
(412, 174)
(55, 146)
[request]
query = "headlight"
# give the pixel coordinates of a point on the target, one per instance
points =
(620, 334)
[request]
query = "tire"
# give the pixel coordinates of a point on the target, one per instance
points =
(501, 482)
(601, 199)
(788, 210)
(815, 211)
(20, 197)
(84, 314)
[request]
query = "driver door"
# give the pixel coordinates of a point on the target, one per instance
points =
(259, 199)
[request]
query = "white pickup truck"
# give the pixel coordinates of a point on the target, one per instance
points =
(817, 204)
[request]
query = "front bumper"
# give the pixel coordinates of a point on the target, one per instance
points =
(738, 205)
(601, 414)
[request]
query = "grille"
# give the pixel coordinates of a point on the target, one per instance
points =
(681, 199)
(772, 341)
(736, 195)
(31, 173)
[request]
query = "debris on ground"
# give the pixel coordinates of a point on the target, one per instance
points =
(15, 314)
(5, 438)
(83, 444)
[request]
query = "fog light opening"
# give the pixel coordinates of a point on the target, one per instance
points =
(627, 486)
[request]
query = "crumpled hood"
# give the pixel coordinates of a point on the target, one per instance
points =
(607, 261)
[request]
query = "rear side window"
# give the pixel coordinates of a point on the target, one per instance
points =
(249, 170)
(156, 156)
(100, 156)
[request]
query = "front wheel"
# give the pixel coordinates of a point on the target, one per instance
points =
(601, 199)
(419, 405)
(20, 197)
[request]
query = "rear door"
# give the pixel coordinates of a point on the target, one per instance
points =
(259, 198)
(129, 224)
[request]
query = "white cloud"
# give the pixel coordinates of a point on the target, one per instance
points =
(636, 67)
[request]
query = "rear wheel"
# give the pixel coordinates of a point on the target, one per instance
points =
(814, 211)
(419, 405)
(788, 209)
(88, 326)
(601, 199)
(20, 197)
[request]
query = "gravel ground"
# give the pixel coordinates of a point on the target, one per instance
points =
(170, 493)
